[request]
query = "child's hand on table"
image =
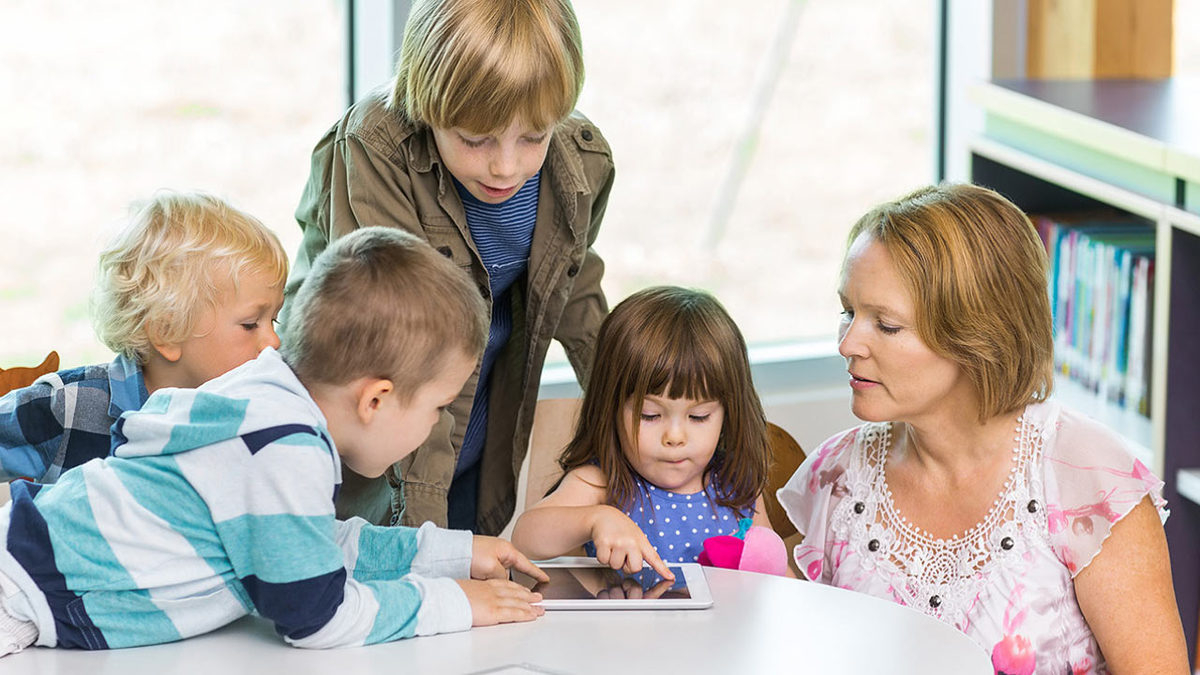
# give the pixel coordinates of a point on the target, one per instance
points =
(496, 601)
(622, 545)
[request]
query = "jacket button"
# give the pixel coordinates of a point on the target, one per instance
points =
(587, 134)
(573, 270)
(445, 250)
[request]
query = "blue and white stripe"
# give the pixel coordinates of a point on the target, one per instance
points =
(218, 504)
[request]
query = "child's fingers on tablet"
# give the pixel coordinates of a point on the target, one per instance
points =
(653, 560)
(522, 564)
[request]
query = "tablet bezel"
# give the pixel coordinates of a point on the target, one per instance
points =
(693, 573)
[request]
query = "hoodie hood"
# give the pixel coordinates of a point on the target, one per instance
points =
(257, 395)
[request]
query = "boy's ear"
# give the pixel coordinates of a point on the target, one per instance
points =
(171, 351)
(371, 397)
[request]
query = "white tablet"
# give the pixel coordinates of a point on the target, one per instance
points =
(584, 583)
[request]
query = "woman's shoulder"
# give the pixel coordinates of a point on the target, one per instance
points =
(1069, 437)
(828, 463)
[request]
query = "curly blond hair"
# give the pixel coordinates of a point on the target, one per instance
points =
(176, 256)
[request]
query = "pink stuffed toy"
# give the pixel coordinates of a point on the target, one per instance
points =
(751, 548)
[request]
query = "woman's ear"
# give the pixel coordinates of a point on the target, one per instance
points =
(371, 397)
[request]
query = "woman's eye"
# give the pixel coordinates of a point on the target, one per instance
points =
(470, 143)
(700, 418)
(847, 314)
(888, 330)
(250, 326)
(649, 417)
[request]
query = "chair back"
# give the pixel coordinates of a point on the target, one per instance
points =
(786, 457)
(15, 378)
(554, 422)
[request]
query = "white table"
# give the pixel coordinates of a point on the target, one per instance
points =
(758, 624)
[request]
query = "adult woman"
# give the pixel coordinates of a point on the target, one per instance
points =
(968, 495)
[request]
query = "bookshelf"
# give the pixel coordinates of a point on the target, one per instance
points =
(1055, 145)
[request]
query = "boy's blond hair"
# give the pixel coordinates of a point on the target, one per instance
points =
(177, 256)
(380, 302)
(480, 65)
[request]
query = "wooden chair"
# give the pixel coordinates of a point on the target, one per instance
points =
(15, 378)
(786, 457)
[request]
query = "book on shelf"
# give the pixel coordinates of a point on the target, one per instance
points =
(1101, 285)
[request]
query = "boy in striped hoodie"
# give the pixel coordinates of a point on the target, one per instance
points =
(218, 502)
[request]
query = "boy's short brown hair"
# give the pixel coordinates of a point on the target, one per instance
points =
(480, 65)
(976, 270)
(380, 302)
(175, 257)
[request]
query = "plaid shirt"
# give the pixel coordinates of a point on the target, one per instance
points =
(64, 419)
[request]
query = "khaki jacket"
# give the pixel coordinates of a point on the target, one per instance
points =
(376, 168)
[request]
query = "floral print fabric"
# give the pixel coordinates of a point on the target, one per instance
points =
(1007, 582)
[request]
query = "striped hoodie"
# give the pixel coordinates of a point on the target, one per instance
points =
(216, 503)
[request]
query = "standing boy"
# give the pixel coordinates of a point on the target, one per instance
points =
(477, 149)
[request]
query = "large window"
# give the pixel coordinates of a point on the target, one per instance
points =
(106, 101)
(749, 137)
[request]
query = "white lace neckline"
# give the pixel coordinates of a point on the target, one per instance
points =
(892, 513)
(940, 576)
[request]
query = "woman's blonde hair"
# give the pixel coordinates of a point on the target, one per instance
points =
(976, 271)
(479, 65)
(380, 302)
(679, 343)
(177, 256)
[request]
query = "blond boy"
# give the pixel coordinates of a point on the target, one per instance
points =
(476, 148)
(187, 290)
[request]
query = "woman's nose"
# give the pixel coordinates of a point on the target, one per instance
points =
(849, 342)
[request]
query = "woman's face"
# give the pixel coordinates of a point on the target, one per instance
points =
(894, 376)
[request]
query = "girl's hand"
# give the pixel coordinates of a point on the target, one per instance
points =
(491, 557)
(622, 545)
(499, 601)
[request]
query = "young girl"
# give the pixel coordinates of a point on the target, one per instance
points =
(671, 445)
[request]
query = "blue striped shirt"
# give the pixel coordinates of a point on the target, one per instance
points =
(215, 503)
(502, 234)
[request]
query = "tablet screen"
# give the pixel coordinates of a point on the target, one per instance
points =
(588, 583)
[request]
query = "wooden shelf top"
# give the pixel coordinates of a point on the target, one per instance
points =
(1150, 122)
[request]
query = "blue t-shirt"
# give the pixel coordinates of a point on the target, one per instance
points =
(678, 524)
(503, 235)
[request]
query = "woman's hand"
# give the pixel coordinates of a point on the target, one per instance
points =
(492, 557)
(622, 545)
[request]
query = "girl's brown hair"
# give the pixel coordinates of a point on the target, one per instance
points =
(679, 343)
(976, 270)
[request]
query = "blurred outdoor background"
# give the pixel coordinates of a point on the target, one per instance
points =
(748, 137)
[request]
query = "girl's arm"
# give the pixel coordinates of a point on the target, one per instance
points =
(1127, 597)
(575, 514)
(760, 513)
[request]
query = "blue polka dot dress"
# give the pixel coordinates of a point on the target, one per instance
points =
(678, 524)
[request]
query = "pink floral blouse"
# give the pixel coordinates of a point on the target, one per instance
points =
(1008, 581)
